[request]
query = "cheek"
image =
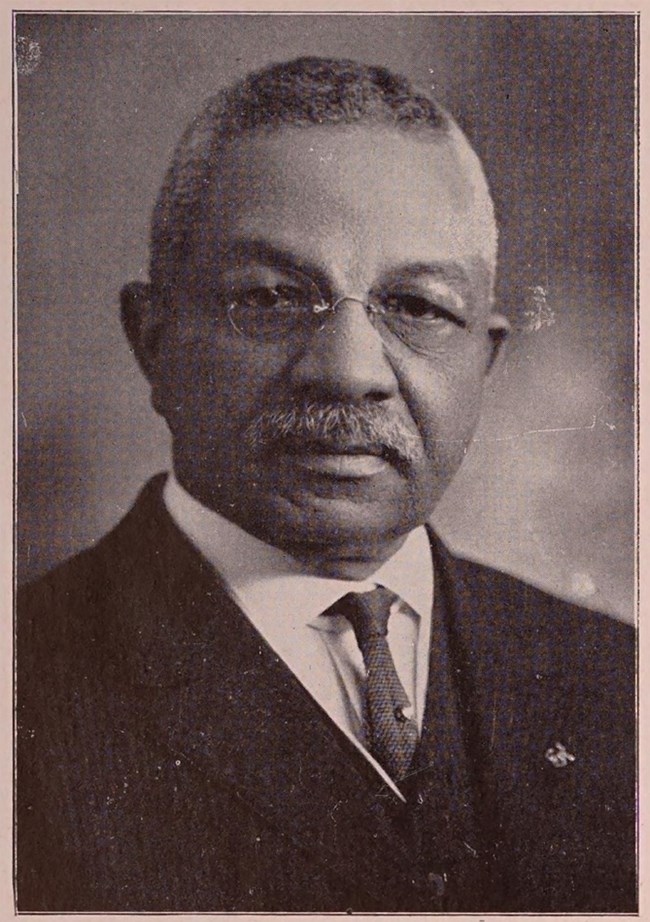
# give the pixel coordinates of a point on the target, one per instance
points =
(209, 383)
(444, 396)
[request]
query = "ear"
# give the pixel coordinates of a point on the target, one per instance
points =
(142, 324)
(498, 331)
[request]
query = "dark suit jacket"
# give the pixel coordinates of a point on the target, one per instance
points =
(169, 761)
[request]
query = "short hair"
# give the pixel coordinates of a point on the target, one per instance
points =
(304, 92)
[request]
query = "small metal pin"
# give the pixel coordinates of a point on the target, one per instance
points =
(559, 756)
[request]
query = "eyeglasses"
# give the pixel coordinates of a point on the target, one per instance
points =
(290, 307)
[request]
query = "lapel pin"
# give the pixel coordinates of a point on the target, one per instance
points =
(559, 756)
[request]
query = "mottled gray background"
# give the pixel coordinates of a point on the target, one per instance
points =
(547, 492)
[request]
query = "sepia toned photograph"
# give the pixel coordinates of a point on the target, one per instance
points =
(325, 428)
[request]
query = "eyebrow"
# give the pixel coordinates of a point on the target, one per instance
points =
(274, 255)
(284, 258)
(448, 271)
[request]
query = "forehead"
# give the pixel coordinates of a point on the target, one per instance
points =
(364, 199)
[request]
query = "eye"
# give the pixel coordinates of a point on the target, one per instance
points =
(278, 299)
(418, 308)
(266, 312)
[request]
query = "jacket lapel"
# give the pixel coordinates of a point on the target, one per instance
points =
(513, 686)
(516, 703)
(222, 700)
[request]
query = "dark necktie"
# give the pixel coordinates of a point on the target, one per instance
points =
(391, 736)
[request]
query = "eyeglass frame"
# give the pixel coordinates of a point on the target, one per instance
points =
(317, 309)
(323, 307)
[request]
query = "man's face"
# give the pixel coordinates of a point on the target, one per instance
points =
(378, 421)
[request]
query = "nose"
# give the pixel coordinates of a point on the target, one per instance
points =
(346, 359)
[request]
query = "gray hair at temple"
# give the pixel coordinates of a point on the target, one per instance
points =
(305, 92)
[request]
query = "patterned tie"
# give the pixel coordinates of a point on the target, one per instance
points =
(392, 737)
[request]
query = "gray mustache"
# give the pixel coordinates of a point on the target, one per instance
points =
(337, 424)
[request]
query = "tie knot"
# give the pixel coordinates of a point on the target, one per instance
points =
(367, 612)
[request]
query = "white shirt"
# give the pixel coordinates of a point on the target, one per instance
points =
(285, 601)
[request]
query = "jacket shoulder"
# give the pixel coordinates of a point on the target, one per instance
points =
(112, 595)
(136, 551)
(501, 585)
(509, 614)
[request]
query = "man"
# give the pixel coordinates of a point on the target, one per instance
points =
(271, 688)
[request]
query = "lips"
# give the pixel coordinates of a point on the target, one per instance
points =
(343, 466)
(343, 461)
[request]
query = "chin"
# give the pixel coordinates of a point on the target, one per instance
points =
(337, 533)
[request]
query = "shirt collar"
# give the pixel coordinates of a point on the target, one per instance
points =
(265, 580)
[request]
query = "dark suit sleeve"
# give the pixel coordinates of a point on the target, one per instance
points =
(51, 653)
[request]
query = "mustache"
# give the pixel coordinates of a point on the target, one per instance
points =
(370, 426)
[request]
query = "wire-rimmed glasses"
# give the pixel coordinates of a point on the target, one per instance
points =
(277, 307)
